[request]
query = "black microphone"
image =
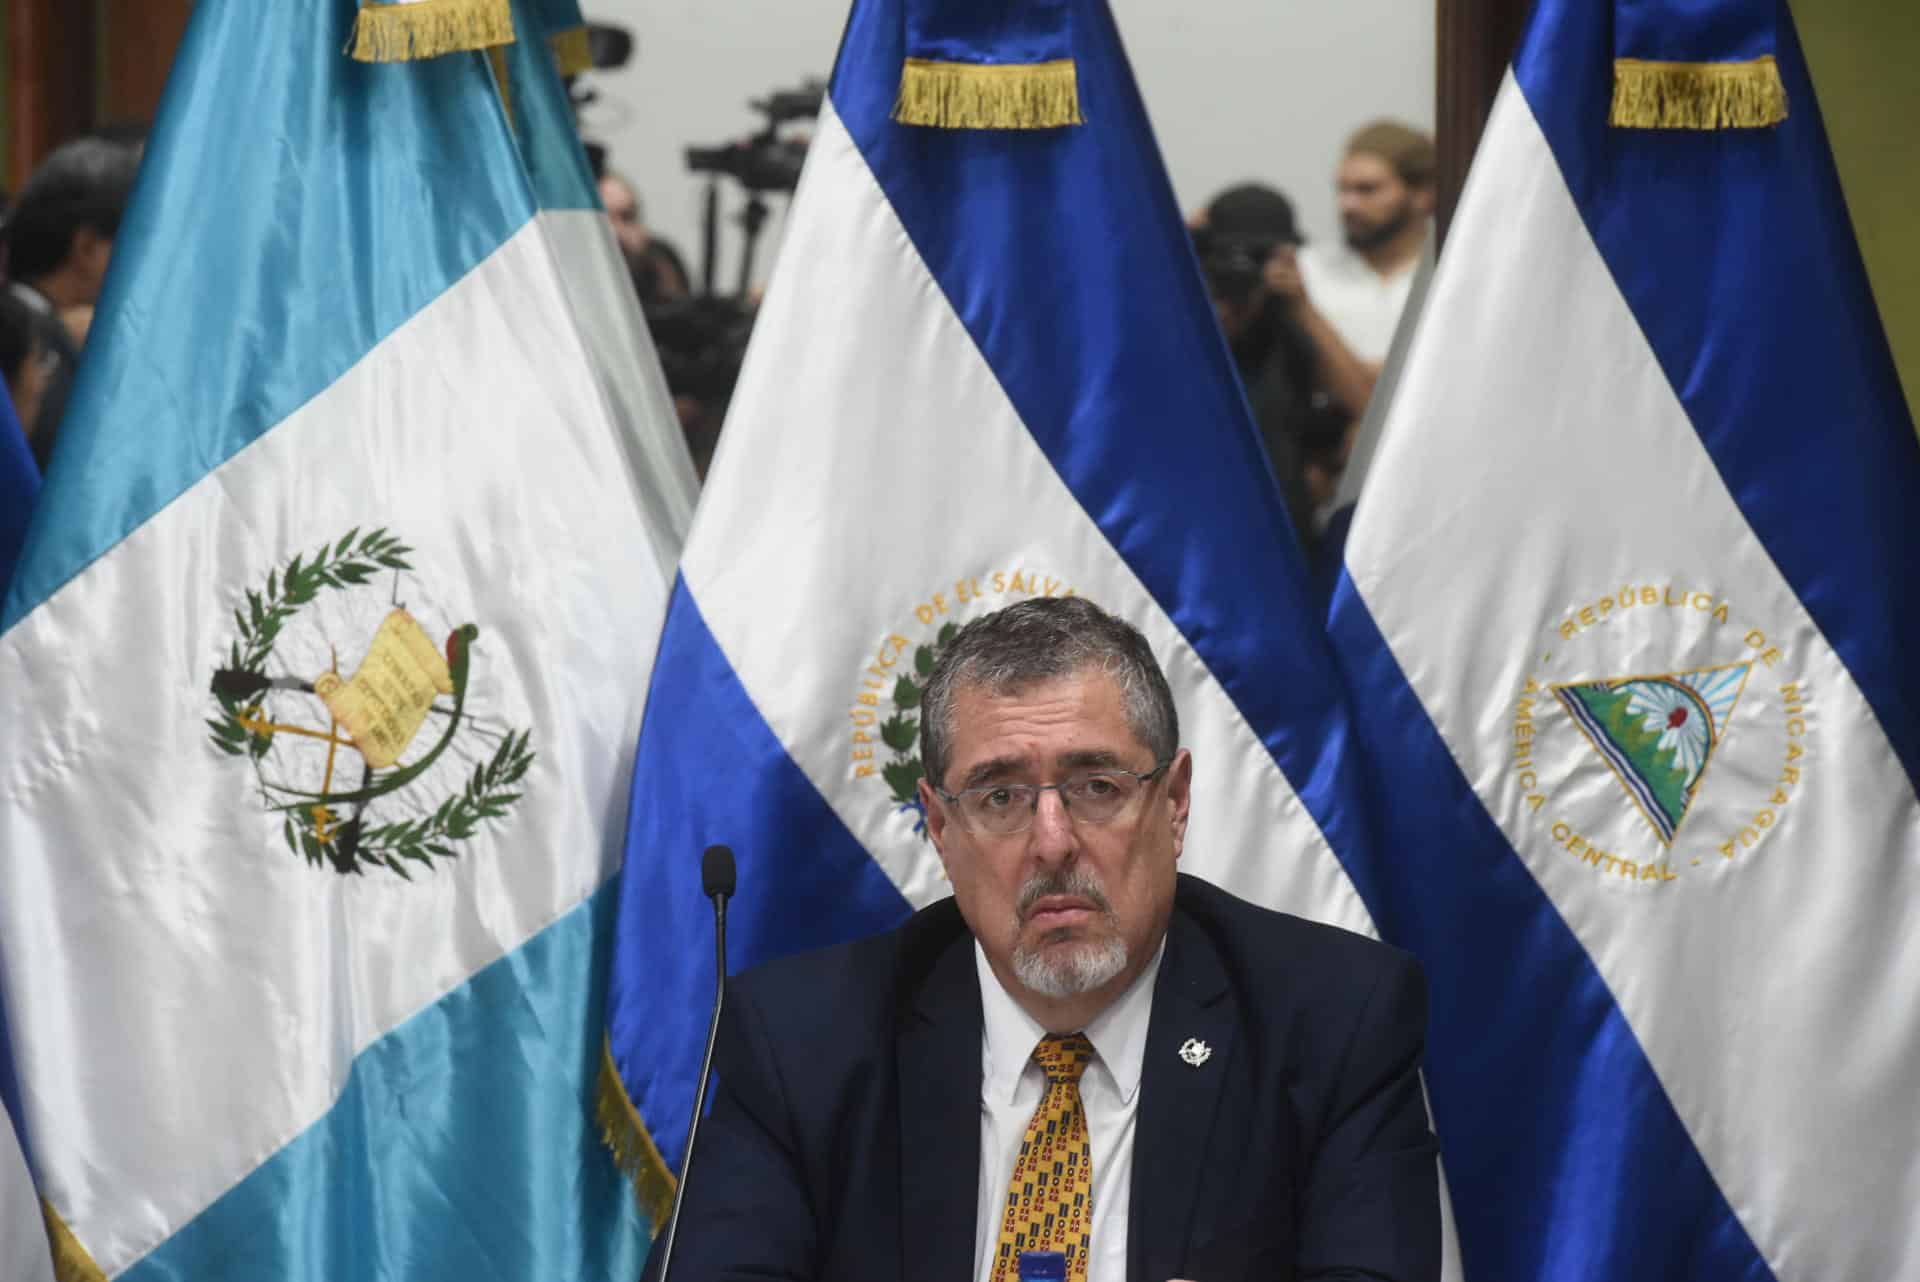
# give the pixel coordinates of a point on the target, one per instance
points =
(717, 880)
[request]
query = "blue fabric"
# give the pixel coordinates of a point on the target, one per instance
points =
(1753, 295)
(988, 31)
(293, 209)
(450, 1127)
(1070, 265)
(543, 117)
(1565, 1160)
(1694, 30)
(709, 771)
(558, 15)
(19, 489)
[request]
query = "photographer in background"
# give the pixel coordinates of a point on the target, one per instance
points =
(59, 237)
(658, 273)
(1302, 383)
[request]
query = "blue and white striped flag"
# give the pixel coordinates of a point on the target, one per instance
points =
(1625, 615)
(319, 683)
(986, 369)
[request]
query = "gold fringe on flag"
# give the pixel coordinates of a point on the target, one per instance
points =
(71, 1263)
(1697, 95)
(624, 1133)
(571, 51)
(429, 28)
(503, 82)
(967, 95)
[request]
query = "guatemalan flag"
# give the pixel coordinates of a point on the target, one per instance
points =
(319, 682)
(1628, 617)
(986, 369)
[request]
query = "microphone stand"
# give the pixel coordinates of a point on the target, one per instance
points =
(717, 879)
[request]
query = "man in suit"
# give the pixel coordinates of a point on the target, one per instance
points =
(1082, 1050)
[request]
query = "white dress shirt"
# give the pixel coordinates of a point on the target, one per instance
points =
(1011, 1087)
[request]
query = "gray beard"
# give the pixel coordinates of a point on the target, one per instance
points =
(1067, 971)
(1072, 970)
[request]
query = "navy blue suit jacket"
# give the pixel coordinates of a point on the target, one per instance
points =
(844, 1141)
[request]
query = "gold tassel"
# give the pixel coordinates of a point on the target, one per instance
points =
(71, 1262)
(429, 28)
(966, 95)
(571, 51)
(1697, 95)
(624, 1133)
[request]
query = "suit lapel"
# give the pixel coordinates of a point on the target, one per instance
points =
(939, 1067)
(1178, 1099)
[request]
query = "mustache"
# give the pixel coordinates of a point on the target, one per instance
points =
(1076, 882)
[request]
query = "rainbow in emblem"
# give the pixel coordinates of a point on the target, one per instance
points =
(1657, 733)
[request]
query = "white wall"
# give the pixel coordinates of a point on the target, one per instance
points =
(1237, 89)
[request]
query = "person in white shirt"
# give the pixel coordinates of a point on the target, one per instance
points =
(1385, 185)
(1082, 1051)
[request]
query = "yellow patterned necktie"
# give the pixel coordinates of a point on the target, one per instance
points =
(1050, 1201)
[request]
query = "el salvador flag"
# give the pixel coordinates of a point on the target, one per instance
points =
(320, 679)
(986, 369)
(1626, 615)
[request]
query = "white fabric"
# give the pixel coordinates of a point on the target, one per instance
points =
(23, 1236)
(1773, 984)
(147, 899)
(1012, 1086)
(1360, 303)
(917, 509)
(626, 369)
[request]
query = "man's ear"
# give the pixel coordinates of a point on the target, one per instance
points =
(1180, 796)
(936, 813)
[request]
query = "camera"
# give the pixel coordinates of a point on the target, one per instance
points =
(1232, 265)
(765, 161)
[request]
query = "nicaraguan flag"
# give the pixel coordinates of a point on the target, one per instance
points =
(320, 679)
(1625, 620)
(986, 369)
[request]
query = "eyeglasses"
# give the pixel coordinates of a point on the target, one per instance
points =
(1096, 797)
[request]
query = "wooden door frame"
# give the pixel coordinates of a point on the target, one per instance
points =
(1474, 41)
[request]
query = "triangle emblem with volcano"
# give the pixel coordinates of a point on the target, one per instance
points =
(1657, 733)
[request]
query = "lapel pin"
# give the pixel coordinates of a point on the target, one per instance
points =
(1195, 1052)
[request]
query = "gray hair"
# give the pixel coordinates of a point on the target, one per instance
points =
(1045, 639)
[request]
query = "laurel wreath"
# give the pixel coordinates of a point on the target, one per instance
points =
(487, 794)
(349, 562)
(901, 732)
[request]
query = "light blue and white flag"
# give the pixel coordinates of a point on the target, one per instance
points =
(319, 682)
(599, 289)
(1625, 620)
(986, 370)
(24, 1254)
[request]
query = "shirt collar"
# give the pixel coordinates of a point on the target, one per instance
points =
(1118, 1033)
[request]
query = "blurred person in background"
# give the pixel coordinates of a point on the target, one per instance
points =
(1303, 384)
(658, 273)
(1385, 186)
(59, 239)
(23, 358)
